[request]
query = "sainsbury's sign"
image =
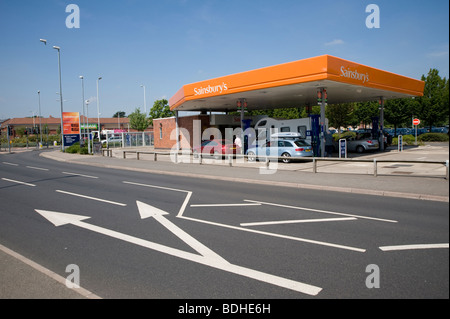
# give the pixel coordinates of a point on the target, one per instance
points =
(220, 88)
(354, 74)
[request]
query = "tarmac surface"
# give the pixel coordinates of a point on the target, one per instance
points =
(395, 178)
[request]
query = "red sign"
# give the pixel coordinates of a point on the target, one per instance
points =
(416, 121)
(71, 123)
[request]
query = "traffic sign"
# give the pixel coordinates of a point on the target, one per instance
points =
(416, 121)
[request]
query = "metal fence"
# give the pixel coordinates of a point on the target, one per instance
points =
(129, 139)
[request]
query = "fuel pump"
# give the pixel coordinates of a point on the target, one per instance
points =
(315, 134)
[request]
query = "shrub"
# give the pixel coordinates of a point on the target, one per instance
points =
(75, 148)
(433, 137)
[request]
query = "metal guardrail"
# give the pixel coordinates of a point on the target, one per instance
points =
(314, 160)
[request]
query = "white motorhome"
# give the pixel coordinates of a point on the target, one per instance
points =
(270, 126)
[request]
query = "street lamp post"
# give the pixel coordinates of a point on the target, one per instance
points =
(87, 126)
(145, 102)
(61, 96)
(98, 109)
(40, 121)
(84, 117)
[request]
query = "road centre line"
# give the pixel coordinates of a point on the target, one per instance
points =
(12, 164)
(93, 198)
(225, 205)
(412, 247)
(323, 211)
(38, 168)
(81, 175)
(298, 221)
(18, 182)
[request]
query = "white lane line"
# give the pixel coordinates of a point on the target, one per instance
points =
(83, 292)
(18, 182)
(275, 235)
(12, 164)
(38, 168)
(322, 211)
(186, 200)
(224, 205)
(298, 221)
(81, 175)
(412, 247)
(154, 186)
(93, 198)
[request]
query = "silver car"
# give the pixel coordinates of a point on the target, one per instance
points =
(361, 143)
(287, 149)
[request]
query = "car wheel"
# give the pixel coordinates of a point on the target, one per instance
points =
(251, 157)
(286, 157)
(217, 155)
(360, 149)
(195, 154)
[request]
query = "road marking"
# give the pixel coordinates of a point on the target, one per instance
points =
(224, 205)
(276, 235)
(323, 211)
(146, 211)
(18, 182)
(93, 198)
(412, 247)
(83, 292)
(59, 219)
(12, 164)
(81, 175)
(186, 200)
(298, 221)
(38, 168)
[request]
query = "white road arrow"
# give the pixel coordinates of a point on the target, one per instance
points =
(59, 219)
(147, 211)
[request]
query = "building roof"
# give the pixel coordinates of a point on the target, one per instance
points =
(295, 84)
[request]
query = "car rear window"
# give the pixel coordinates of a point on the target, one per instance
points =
(301, 143)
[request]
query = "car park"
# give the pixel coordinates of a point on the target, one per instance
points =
(287, 149)
(216, 148)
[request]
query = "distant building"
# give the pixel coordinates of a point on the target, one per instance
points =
(53, 124)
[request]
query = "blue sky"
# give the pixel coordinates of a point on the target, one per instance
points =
(164, 44)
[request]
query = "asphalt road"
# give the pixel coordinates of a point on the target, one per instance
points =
(161, 236)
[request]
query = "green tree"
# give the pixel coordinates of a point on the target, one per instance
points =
(138, 120)
(432, 108)
(120, 114)
(160, 109)
(365, 111)
(398, 111)
(340, 115)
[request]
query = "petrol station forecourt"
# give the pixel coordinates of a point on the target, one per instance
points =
(324, 80)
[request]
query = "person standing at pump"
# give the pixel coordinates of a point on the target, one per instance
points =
(328, 143)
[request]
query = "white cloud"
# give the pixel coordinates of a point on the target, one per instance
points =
(335, 42)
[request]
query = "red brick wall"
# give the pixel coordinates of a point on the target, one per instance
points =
(168, 125)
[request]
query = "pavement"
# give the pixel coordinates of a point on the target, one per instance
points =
(395, 178)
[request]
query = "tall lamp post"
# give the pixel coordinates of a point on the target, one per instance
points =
(98, 109)
(145, 102)
(82, 95)
(40, 123)
(60, 95)
(87, 126)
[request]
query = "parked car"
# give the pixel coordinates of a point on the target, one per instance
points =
(288, 149)
(216, 148)
(113, 139)
(360, 144)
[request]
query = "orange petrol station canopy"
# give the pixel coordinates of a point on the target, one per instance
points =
(295, 84)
